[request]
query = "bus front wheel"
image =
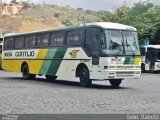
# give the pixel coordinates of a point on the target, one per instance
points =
(25, 73)
(116, 82)
(84, 77)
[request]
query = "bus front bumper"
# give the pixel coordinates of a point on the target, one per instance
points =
(117, 74)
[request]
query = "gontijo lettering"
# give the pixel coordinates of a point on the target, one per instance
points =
(24, 54)
(20, 54)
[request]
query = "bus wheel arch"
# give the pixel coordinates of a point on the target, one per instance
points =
(82, 72)
(25, 72)
(24, 63)
(79, 67)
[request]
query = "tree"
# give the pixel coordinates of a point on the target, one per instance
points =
(145, 17)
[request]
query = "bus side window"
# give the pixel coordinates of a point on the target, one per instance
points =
(19, 42)
(88, 37)
(30, 41)
(8, 43)
(57, 39)
(43, 40)
(74, 37)
(93, 40)
(96, 43)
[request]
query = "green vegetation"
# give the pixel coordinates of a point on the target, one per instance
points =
(144, 16)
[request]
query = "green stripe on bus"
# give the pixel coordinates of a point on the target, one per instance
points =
(129, 60)
(50, 67)
(59, 54)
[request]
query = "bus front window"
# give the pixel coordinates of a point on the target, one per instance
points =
(119, 42)
(113, 44)
(131, 43)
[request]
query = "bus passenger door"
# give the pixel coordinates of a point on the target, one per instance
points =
(93, 47)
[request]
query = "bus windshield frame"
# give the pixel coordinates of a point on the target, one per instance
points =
(120, 43)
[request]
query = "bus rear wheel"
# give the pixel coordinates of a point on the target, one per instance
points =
(25, 73)
(49, 77)
(85, 81)
(116, 82)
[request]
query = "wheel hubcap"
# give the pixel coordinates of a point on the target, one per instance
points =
(83, 75)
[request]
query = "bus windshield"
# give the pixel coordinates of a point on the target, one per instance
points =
(119, 42)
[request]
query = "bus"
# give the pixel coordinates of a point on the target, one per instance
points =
(93, 51)
(150, 58)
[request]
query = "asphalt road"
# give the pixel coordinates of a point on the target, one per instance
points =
(18, 96)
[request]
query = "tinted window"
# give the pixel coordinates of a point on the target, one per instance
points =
(42, 40)
(19, 42)
(89, 37)
(73, 38)
(8, 43)
(57, 39)
(30, 41)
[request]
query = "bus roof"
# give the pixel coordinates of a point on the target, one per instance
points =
(104, 25)
(110, 25)
(153, 46)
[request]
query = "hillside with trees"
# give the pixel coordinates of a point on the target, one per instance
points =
(145, 16)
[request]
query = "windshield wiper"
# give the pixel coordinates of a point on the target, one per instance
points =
(115, 44)
(130, 47)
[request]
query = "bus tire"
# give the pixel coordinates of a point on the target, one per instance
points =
(85, 81)
(25, 73)
(116, 82)
(49, 77)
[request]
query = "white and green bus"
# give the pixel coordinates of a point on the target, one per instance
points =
(150, 58)
(94, 51)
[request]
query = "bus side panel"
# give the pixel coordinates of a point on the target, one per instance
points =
(35, 65)
(12, 65)
(71, 60)
(52, 61)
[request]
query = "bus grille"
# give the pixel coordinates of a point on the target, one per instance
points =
(124, 74)
(125, 67)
